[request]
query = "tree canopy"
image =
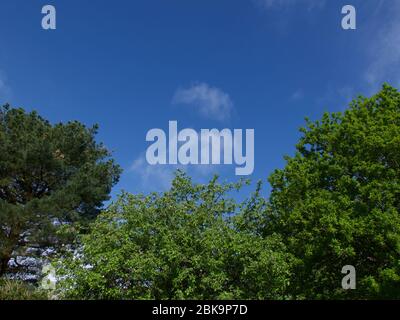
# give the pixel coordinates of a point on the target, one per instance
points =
(183, 244)
(337, 201)
(53, 180)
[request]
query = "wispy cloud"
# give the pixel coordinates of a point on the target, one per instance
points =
(297, 95)
(337, 97)
(159, 177)
(384, 51)
(209, 101)
(378, 47)
(153, 177)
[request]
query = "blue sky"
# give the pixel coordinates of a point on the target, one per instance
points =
(249, 64)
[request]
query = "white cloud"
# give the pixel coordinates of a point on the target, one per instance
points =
(209, 101)
(153, 177)
(159, 177)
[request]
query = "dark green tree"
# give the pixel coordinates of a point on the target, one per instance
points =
(337, 201)
(182, 244)
(53, 180)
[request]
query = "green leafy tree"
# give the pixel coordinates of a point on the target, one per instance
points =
(191, 242)
(337, 201)
(53, 180)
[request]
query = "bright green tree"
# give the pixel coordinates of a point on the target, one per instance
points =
(337, 201)
(53, 179)
(182, 244)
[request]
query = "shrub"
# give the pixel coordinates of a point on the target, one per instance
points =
(18, 290)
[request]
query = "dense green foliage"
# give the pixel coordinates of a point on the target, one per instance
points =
(337, 201)
(51, 178)
(178, 245)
